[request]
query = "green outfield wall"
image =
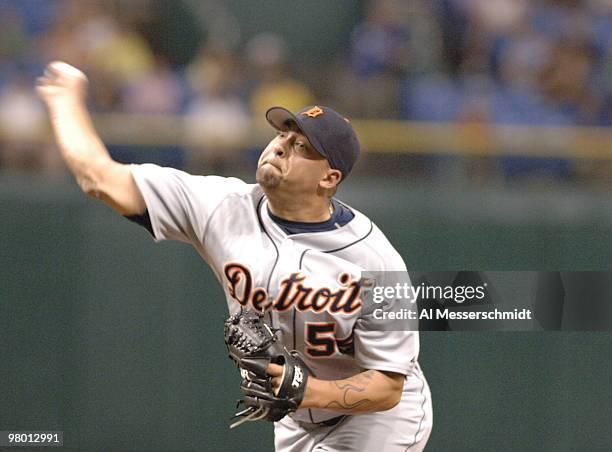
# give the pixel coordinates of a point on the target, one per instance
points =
(117, 341)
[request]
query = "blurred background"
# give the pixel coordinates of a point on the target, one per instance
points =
(487, 145)
(469, 92)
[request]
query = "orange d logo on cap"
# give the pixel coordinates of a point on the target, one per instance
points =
(313, 112)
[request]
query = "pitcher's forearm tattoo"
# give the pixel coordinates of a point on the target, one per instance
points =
(350, 389)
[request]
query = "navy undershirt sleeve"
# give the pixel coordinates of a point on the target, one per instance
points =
(143, 220)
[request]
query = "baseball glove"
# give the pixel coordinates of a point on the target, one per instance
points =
(252, 345)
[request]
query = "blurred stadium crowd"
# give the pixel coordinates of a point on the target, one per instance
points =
(536, 62)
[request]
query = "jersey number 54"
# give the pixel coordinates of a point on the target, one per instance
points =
(321, 340)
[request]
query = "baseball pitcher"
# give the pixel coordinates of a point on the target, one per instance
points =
(289, 257)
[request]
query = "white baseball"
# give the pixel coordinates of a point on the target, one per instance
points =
(66, 69)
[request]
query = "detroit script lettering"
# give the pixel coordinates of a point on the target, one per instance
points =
(293, 292)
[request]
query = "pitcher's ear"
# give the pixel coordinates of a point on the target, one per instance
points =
(331, 179)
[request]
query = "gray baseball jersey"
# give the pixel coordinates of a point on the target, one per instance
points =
(306, 284)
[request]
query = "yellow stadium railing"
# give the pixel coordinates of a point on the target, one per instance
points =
(377, 136)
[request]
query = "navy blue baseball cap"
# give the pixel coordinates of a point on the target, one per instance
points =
(330, 133)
